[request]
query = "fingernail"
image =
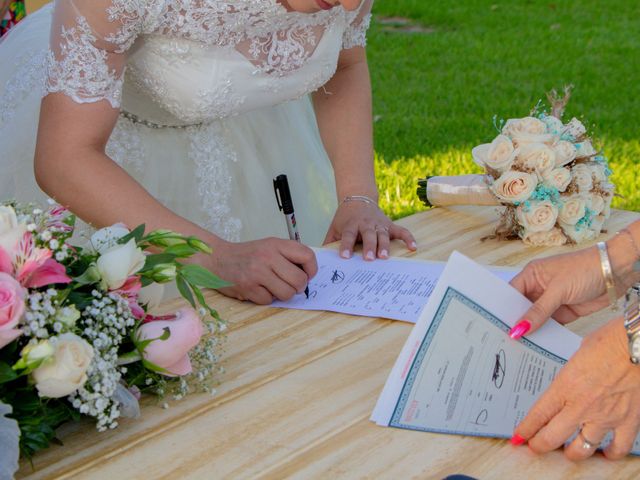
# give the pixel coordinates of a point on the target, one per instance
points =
(520, 329)
(384, 253)
(413, 246)
(370, 256)
(517, 440)
(346, 254)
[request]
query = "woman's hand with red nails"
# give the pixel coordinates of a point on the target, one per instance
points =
(598, 390)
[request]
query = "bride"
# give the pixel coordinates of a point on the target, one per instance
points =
(179, 113)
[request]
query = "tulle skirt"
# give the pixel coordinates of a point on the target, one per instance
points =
(217, 174)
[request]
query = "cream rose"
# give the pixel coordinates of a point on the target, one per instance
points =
(537, 216)
(551, 238)
(585, 149)
(66, 371)
(578, 233)
(514, 187)
(596, 225)
(583, 177)
(596, 203)
(500, 154)
(572, 210)
(554, 124)
(119, 263)
(537, 157)
(575, 128)
(11, 231)
(598, 171)
(526, 125)
(558, 178)
(565, 153)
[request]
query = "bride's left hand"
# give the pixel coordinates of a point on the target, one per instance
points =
(364, 222)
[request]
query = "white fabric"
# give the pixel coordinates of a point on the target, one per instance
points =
(226, 80)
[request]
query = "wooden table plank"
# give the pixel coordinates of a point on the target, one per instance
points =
(299, 388)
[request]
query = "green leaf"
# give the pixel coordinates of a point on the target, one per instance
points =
(203, 302)
(181, 251)
(157, 259)
(137, 233)
(185, 290)
(7, 374)
(200, 276)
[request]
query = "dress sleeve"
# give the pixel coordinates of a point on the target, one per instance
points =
(356, 33)
(88, 45)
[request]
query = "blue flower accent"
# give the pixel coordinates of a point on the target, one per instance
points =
(587, 220)
(544, 192)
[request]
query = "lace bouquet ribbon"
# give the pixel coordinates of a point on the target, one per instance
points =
(553, 182)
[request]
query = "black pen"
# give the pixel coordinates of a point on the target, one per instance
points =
(285, 204)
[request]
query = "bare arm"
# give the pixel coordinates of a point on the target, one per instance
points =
(344, 113)
(72, 167)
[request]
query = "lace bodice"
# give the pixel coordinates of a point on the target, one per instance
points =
(195, 59)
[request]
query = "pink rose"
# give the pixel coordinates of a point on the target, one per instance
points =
(11, 308)
(172, 354)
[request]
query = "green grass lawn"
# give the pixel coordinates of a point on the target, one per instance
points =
(442, 70)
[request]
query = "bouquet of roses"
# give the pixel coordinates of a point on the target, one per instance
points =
(553, 182)
(79, 330)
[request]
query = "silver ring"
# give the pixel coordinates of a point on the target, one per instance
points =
(586, 443)
(380, 228)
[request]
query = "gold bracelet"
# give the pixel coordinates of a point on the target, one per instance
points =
(359, 198)
(607, 274)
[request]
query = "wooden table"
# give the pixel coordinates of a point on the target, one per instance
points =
(299, 388)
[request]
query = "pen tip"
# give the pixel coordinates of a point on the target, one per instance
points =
(306, 292)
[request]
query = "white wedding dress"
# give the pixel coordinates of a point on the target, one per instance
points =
(213, 99)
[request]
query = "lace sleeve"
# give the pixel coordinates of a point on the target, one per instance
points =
(356, 33)
(89, 40)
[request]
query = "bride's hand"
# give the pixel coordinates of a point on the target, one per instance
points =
(263, 270)
(365, 222)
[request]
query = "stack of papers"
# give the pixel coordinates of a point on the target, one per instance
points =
(459, 372)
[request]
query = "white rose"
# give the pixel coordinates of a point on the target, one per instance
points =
(151, 296)
(565, 153)
(537, 157)
(585, 149)
(558, 178)
(551, 238)
(537, 216)
(34, 353)
(500, 154)
(119, 263)
(554, 124)
(572, 210)
(575, 129)
(513, 187)
(107, 238)
(66, 371)
(583, 177)
(11, 231)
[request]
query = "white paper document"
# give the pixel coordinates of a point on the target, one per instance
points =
(459, 372)
(396, 288)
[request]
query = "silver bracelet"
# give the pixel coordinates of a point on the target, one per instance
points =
(359, 198)
(607, 274)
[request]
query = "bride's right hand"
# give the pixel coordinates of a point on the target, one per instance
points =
(263, 270)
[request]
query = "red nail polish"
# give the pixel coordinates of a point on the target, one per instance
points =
(520, 329)
(517, 440)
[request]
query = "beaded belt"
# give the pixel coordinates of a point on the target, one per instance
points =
(135, 119)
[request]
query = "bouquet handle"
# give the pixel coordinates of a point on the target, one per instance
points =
(443, 191)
